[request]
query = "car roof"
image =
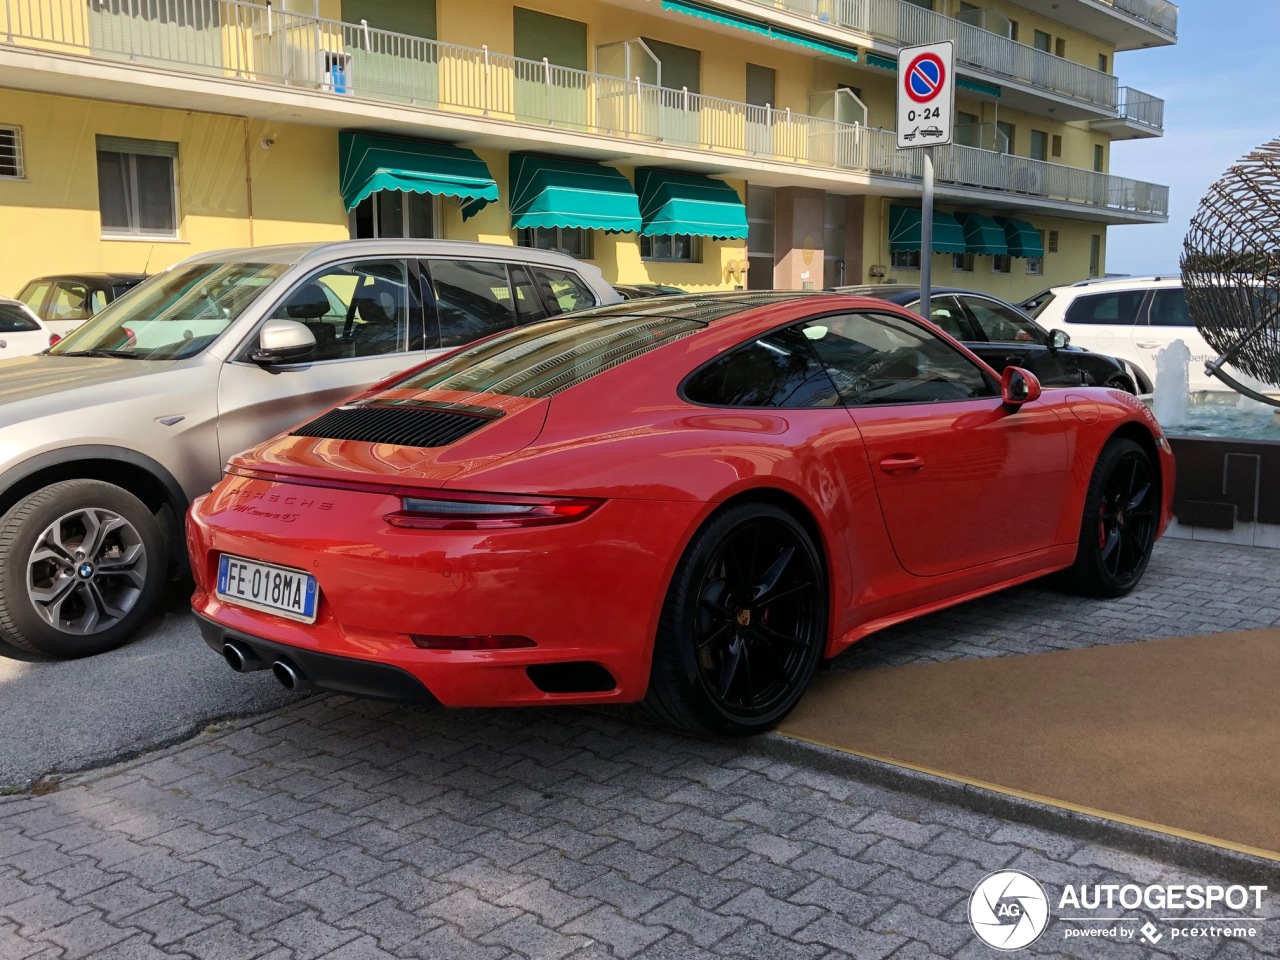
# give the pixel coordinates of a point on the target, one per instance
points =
(902, 292)
(299, 253)
(712, 308)
(1118, 283)
(90, 279)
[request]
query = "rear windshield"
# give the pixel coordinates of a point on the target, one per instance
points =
(541, 360)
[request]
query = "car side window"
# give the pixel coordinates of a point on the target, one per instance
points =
(69, 301)
(473, 299)
(1169, 309)
(1120, 307)
(97, 301)
(14, 320)
(563, 290)
(878, 358)
(361, 309)
(529, 306)
(1000, 323)
(779, 369)
(33, 295)
(946, 313)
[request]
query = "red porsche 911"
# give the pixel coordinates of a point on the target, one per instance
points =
(687, 502)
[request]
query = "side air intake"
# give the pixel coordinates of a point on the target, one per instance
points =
(405, 425)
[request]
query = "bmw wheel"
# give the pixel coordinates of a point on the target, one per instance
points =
(743, 626)
(1118, 530)
(82, 567)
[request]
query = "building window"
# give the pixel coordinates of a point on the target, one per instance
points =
(1102, 62)
(137, 187)
(1001, 264)
(1039, 145)
(396, 214)
(1095, 255)
(760, 229)
(962, 263)
(1060, 47)
(1013, 30)
(680, 249)
(1052, 245)
(11, 153)
(905, 259)
(1099, 157)
(1035, 265)
(1056, 149)
(574, 241)
(1041, 40)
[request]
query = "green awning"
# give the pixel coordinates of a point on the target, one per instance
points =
(1022, 238)
(977, 86)
(554, 192)
(963, 83)
(687, 204)
(904, 231)
(369, 163)
(982, 235)
(761, 28)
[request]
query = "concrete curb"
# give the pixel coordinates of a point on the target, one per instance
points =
(1231, 865)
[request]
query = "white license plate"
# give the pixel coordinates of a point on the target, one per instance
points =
(264, 586)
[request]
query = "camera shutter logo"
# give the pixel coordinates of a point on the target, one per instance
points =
(1008, 910)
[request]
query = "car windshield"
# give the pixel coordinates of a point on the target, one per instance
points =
(174, 315)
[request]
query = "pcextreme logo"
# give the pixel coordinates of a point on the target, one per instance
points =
(1010, 910)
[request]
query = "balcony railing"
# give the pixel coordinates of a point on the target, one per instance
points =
(1141, 108)
(905, 24)
(1159, 13)
(258, 45)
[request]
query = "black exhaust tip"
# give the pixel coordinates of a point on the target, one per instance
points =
(290, 677)
(240, 658)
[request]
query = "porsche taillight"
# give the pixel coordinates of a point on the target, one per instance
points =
(482, 511)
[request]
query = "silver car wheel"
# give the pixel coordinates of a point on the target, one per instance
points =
(87, 571)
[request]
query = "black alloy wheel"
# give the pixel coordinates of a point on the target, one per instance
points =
(744, 624)
(1118, 530)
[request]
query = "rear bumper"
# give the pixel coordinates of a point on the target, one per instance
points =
(331, 673)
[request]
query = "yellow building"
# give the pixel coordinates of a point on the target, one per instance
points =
(134, 133)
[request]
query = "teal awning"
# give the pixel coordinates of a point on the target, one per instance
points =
(982, 235)
(761, 28)
(904, 231)
(1022, 238)
(977, 86)
(963, 83)
(369, 163)
(554, 192)
(686, 204)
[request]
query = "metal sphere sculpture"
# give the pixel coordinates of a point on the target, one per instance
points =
(1231, 268)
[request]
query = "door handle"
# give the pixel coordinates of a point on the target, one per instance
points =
(901, 463)
(1148, 344)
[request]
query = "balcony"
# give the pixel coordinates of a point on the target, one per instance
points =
(471, 93)
(1129, 24)
(1140, 116)
(1079, 92)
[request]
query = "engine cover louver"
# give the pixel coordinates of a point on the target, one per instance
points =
(402, 424)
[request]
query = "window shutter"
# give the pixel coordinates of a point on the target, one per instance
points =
(1053, 241)
(146, 148)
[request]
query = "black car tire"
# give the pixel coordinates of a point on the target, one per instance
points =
(729, 606)
(1118, 527)
(1122, 383)
(92, 601)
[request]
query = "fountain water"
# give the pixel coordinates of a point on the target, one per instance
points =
(1173, 389)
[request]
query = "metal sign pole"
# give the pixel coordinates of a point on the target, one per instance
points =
(926, 235)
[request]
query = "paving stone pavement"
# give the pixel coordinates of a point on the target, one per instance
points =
(353, 830)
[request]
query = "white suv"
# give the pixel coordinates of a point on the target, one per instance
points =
(1134, 318)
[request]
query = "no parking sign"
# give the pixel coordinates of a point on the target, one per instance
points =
(926, 95)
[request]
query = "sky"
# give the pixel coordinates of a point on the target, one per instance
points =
(1222, 99)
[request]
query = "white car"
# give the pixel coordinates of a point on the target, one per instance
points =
(22, 333)
(1133, 319)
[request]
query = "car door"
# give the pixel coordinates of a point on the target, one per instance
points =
(1104, 322)
(1014, 340)
(20, 334)
(367, 319)
(1166, 319)
(962, 479)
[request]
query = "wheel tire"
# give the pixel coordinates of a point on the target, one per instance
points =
(1121, 383)
(123, 582)
(685, 675)
(1118, 528)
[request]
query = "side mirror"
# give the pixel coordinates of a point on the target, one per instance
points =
(283, 341)
(1058, 339)
(1018, 386)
